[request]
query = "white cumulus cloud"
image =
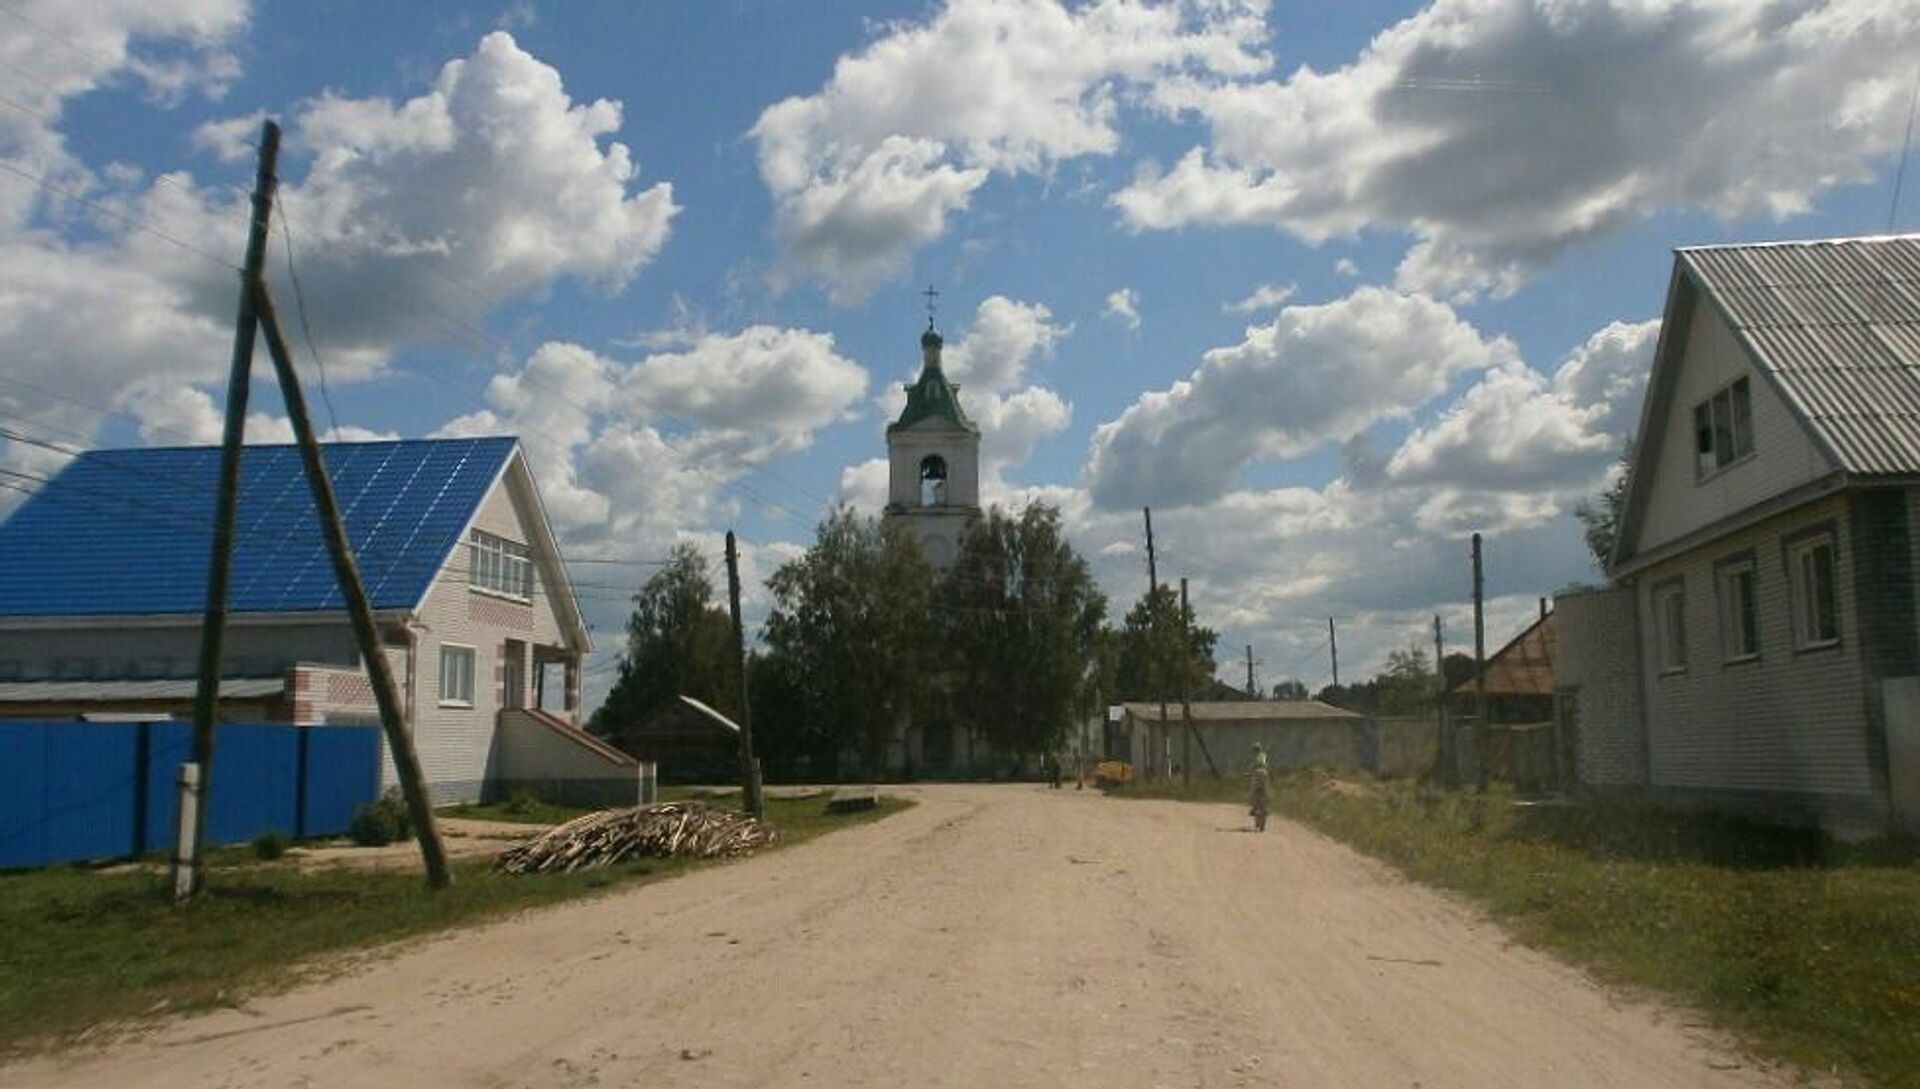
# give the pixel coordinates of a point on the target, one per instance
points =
(1497, 133)
(1315, 374)
(873, 165)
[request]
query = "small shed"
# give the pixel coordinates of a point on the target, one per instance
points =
(1294, 733)
(687, 746)
(1520, 683)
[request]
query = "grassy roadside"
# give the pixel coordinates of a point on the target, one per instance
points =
(82, 948)
(1806, 947)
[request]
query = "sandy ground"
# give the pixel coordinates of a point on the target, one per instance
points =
(992, 936)
(460, 836)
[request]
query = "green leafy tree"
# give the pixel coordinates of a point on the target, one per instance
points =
(1290, 690)
(1406, 686)
(1600, 514)
(850, 618)
(1456, 668)
(1020, 621)
(1148, 656)
(679, 642)
(791, 737)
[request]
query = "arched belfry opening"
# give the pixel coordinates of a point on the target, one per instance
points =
(933, 481)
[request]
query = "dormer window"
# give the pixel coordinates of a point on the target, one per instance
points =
(500, 566)
(933, 481)
(1722, 429)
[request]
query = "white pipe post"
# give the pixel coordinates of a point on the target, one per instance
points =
(185, 845)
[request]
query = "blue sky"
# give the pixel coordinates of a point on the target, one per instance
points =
(679, 248)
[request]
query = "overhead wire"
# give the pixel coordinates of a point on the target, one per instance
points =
(306, 327)
(744, 464)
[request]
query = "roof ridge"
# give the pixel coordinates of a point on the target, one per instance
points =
(294, 445)
(1780, 243)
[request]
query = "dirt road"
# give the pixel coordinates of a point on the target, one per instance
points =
(992, 936)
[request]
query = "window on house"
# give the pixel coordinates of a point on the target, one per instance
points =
(1723, 428)
(1670, 614)
(500, 566)
(1816, 609)
(456, 676)
(1739, 611)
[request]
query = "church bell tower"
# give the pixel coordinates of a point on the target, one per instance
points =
(933, 460)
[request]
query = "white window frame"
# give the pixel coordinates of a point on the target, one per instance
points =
(1670, 626)
(1803, 582)
(472, 656)
(1723, 429)
(1739, 612)
(499, 567)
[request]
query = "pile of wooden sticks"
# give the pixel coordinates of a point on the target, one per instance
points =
(671, 830)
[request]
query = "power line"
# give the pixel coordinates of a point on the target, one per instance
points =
(113, 213)
(306, 329)
(746, 465)
(1906, 149)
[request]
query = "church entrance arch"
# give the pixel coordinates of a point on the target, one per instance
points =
(937, 745)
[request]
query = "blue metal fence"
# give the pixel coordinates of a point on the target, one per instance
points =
(71, 791)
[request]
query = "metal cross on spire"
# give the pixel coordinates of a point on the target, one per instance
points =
(932, 303)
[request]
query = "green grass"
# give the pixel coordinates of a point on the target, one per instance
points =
(1808, 948)
(81, 948)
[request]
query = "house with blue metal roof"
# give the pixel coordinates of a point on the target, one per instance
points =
(103, 581)
(1759, 650)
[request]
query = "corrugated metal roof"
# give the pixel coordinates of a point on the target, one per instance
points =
(1524, 667)
(128, 532)
(132, 691)
(1837, 324)
(1242, 710)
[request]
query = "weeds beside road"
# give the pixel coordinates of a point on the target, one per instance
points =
(1805, 946)
(80, 948)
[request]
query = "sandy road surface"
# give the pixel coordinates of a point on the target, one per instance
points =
(992, 936)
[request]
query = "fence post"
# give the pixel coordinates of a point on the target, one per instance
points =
(185, 835)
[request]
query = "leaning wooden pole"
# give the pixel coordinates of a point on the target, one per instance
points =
(213, 624)
(406, 762)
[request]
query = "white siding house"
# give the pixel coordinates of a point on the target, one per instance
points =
(103, 573)
(1765, 557)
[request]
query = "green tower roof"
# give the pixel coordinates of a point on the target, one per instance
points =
(932, 397)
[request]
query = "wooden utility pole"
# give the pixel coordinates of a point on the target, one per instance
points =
(346, 572)
(213, 624)
(1154, 622)
(1186, 696)
(1479, 669)
(1333, 651)
(749, 767)
(1252, 692)
(1441, 742)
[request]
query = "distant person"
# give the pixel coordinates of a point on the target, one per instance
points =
(1257, 786)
